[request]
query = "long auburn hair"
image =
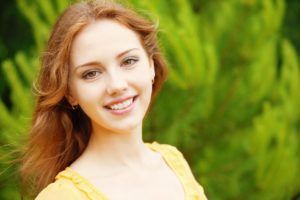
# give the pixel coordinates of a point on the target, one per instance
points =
(59, 134)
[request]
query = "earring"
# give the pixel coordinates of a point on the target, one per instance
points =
(74, 107)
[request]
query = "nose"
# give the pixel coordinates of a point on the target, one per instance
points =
(117, 84)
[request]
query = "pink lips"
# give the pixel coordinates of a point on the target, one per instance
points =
(125, 110)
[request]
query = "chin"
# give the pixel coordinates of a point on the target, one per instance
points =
(122, 126)
(128, 127)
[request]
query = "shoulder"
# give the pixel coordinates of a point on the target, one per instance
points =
(173, 156)
(179, 163)
(60, 189)
(168, 150)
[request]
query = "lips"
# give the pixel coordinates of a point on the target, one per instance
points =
(120, 104)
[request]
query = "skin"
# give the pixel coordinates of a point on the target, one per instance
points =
(109, 63)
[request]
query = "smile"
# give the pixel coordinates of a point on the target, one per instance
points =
(121, 105)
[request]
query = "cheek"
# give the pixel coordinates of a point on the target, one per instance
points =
(144, 72)
(142, 78)
(88, 92)
(144, 85)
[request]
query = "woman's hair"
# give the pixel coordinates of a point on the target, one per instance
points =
(59, 134)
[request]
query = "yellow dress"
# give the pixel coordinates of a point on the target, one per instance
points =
(69, 185)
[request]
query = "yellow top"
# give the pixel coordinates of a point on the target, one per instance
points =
(69, 185)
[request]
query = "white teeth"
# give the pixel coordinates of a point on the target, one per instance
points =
(121, 105)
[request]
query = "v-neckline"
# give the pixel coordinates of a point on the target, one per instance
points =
(154, 146)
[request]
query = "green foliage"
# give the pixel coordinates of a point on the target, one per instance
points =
(41, 15)
(14, 119)
(291, 29)
(19, 73)
(231, 103)
(235, 80)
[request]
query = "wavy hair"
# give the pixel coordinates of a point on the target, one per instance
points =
(59, 134)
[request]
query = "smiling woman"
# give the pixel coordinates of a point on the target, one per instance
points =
(112, 81)
(101, 70)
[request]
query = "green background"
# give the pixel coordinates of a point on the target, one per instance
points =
(231, 103)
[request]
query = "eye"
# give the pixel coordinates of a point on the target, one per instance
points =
(91, 74)
(127, 62)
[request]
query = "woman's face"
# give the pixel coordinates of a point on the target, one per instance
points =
(110, 76)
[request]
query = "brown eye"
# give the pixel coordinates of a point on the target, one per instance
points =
(91, 74)
(129, 61)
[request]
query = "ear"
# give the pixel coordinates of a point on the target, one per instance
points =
(71, 99)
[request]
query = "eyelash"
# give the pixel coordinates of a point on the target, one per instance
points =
(86, 74)
(129, 59)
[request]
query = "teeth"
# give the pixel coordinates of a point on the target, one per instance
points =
(121, 105)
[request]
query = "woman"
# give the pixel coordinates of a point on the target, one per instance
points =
(101, 70)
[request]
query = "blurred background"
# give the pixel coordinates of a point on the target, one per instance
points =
(231, 103)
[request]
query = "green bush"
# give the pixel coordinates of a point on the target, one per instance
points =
(231, 103)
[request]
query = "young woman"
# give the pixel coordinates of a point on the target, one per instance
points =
(101, 70)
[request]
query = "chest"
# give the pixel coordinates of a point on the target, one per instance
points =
(160, 184)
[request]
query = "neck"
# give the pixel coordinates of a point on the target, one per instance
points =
(124, 149)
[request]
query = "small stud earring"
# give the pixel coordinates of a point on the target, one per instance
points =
(74, 107)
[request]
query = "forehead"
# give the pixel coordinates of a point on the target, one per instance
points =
(101, 39)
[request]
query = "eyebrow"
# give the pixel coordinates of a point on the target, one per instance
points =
(99, 63)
